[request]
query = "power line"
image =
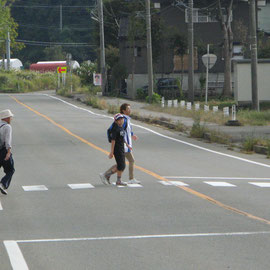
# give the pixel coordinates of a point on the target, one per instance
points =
(47, 44)
(50, 6)
(53, 27)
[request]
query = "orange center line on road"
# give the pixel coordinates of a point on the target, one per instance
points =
(153, 174)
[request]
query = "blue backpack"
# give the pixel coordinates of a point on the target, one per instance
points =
(109, 130)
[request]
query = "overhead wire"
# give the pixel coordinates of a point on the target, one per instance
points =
(50, 6)
(46, 44)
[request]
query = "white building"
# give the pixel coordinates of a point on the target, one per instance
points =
(15, 64)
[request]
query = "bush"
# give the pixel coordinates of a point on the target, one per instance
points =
(95, 102)
(249, 143)
(197, 131)
(156, 98)
(26, 81)
(3, 80)
(85, 72)
(141, 94)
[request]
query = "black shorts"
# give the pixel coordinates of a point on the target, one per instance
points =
(120, 161)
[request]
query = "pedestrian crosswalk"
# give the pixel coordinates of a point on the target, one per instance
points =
(216, 184)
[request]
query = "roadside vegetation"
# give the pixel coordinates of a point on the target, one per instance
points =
(26, 81)
(244, 116)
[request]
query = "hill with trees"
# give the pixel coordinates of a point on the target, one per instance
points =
(51, 28)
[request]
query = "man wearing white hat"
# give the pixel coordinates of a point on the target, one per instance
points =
(6, 160)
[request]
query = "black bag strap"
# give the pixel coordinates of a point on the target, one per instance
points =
(2, 147)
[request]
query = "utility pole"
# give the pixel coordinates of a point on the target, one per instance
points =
(207, 74)
(8, 51)
(149, 50)
(61, 18)
(254, 56)
(191, 53)
(102, 47)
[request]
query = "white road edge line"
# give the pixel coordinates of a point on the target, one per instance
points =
(216, 177)
(18, 262)
(166, 137)
(1, 208)
(143, 237)
(15, 256)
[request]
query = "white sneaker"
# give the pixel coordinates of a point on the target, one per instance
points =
(104, 179)
(133, 181)
(2, 189)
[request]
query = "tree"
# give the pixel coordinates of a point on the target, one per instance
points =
(7, 24)
(263, 46)
(225, 22)
(241, 31)
(42, 24)
(55, 53)
(180, 46)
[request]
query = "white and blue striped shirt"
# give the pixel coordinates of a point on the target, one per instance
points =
(128, 136)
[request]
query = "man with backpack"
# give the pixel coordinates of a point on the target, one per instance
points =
(6, 160)
(126, 111)
(116, 135)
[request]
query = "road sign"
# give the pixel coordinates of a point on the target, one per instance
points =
(61, 69)
(210, 58)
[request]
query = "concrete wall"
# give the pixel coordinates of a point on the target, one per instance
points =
(242, 81)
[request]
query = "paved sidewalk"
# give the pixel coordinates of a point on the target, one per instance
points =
(236, 133)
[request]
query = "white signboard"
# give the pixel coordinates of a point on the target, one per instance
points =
(206, 108)
(197, 106)
(183, 103)
(226, 111)
(215, 108)
(97, 79)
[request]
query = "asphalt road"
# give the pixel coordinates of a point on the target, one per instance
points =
(200, 206)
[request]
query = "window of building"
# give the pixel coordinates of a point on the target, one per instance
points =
(138, 51)
(200, 16)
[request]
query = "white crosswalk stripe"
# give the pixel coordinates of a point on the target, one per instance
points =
(219, 184)
(81, 186)
(179, 183)
(35, 188)
(260, 184)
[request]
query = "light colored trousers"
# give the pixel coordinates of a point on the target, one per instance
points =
(131, 161)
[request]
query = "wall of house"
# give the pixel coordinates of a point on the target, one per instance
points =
(168, 65)
(242, 80)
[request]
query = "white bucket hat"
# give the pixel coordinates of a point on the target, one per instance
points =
(5, 114)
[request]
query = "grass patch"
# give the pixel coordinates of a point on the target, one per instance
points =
(197, 130)
(245, 117)
(26, 81)
(96, 102)
(248, 144)
(113, 109)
